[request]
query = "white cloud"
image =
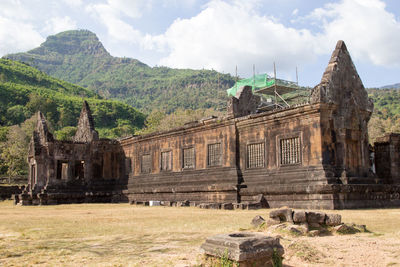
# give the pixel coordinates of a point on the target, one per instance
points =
(110, 14)
(17, 32)
(14, 9)
(73, 3)
(178, 3)
(59, 24)
(17, 36)
(372, 32)
(295, 11)
(227, 34)
(130, 8)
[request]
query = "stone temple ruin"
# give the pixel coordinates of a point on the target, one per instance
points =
(314, 155)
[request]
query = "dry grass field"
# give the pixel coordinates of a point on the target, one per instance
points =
(126, 235)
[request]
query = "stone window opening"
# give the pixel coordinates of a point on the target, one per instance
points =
(145, 165)
(290, 151)
(128, 165)
(62, 170)
(80, 169)
(188, 158)
(214, 154)
(255, 157)
(166, 161)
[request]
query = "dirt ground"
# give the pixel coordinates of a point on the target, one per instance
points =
(348, 250)
(126, 235)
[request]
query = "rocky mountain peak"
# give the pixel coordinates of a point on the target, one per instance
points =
(72, 42)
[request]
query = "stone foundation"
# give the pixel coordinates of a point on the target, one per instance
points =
(243, 249)
(6, 192)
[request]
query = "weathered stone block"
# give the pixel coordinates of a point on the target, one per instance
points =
(315, 217)
(203, 206)
(257, 221)
(210, 206)
(243, 206)
(215, 206)
(299, 216)
(166, 203)
(240, 206)
(273, 221)
(245, 248)
(254, 206)
(154, 203)
(227, 206)
(183, 203)
(295, 229)
(333, 219)
(314, 225)
(314, 233)
(284, 215)
(303, 227)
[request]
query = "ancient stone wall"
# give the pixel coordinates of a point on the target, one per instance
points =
(310, 156)
(197, 162)
(292, 157)
(298, 156)
(387, 158)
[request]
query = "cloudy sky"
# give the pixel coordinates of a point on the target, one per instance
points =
(220, 35)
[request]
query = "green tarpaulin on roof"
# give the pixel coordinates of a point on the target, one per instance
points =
(256, 82)
(261, 81)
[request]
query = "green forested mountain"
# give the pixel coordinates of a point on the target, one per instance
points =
(79, 57)
(24, 90)
(386, 115)
(391, 86)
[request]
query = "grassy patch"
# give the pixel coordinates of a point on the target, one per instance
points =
(305, 251)
(128, 235)
(115, 234)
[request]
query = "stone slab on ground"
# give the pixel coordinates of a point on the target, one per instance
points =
(246, 248)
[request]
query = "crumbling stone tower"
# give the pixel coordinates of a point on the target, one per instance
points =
(344, 125)
(38, 158)
(87, 169)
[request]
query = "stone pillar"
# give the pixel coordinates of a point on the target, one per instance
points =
(387, 158)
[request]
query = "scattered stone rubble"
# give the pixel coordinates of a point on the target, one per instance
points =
(6, 192)
(259, 203)
(186, 203)
(311, 223)
(243, 249)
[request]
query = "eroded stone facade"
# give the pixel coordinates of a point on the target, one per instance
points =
(87, 169)
(310, 156)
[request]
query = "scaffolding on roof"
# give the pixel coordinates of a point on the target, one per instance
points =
(267, 85)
